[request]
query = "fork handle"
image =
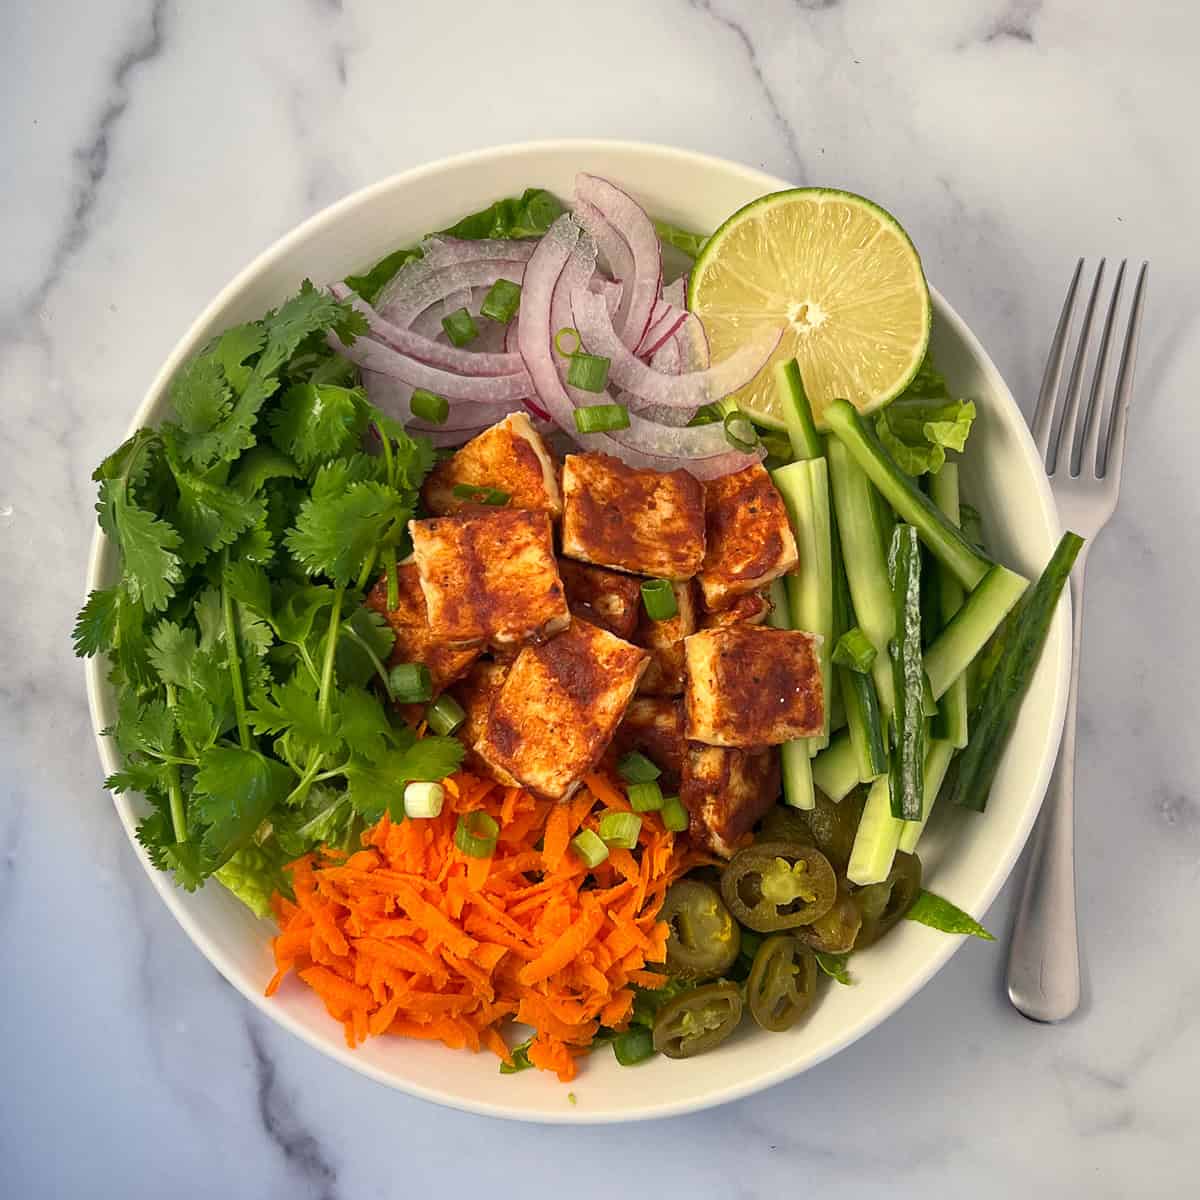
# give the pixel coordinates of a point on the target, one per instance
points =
(1043, 959)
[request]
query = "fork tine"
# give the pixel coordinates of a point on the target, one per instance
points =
(1094, 418)
(1062, 443)
(1043, 417)
(1114, 452)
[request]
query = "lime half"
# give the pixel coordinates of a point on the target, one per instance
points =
(839, 274)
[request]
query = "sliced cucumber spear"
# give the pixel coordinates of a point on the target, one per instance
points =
(951, 722)
(877, 838)
(943, 539)
(835, 769)
(908, 673)
(937, 763)
(795, 759)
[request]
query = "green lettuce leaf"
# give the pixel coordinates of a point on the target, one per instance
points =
(252, 874)
(925, 421)
(684, 240)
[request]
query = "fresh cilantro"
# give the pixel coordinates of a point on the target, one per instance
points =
(836, 966)
(520, 1059)
(938, 913)
(236, 789)
(314, 423)
(147, 544)
(378, 786)
(96, 626)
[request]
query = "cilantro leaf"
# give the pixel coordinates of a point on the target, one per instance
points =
(294, 706)
(234, 348)
(938, 913)
(151, 568)
(210, 517)
(325, 818)
(187, 859)
(201, 721)
(373, 785)
(835, 966)
(172, 650)
(199, 394)
(313, 422)
(364, 725)
(138, 775)
(95, 629)
(248, 585)
(258, 465)
(364, 644)
(235, 789)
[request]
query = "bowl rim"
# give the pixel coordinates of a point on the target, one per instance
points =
(96, 681)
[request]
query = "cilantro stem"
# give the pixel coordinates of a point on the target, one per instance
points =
(380, 669)
(393, 584)
(178, 814)
(387, 453)
(365, 574)
(331, 641)
(233, 657)
(171, 704)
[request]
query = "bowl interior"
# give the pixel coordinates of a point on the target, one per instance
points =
(967, 857)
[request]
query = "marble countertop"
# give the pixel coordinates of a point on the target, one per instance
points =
(153, 147)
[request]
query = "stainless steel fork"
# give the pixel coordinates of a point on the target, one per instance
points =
(1083, 446)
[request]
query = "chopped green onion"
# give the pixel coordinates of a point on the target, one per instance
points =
(588, 371)
(567, 332)
(476, 833)
(645, 796)
(502, 301)
(429, 407)
(854, 650)
(460, 327)
(423, 800)
(445, 714)
(481, 494)
(410, 683)
(674, 815)
(633, 1046)
(620, 829)
(658, 596)
(740, 432)
(589, 847)
(601, 418)
(637, 768)
(706, 414)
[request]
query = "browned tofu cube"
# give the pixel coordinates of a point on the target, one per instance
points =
(607, 598)
(653, 725)
(511, 456)
(475, 693)
(415, 641)
(752, 686)
(726, 793)
(751, 609)
(750, 540)
(645, 522)
(490, 576)
(558, 708)
(664, 639)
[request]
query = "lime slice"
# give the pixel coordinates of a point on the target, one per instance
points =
(839, 274)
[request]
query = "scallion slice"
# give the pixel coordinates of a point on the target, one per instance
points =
(740, 432)
(601, 418)
(429, 407)
(423, 801)
(706, 414)
(588, 372)
(588, 845)
(562, 337)
(658, 597)
(501, 302)
(445, 714)
(460, 327)
(410, 683)
(620, 829)
(481, 494)
(645, 796)
(635, 767)
(674, 815)
(854, 650)
(476, 833)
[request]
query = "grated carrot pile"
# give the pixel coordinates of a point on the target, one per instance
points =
(410, 936)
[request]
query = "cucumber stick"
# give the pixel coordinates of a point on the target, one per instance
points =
(908, 752)
(795, 757)
(943, 539)
(937, 763)
(804, 487)
(951, 721)
(835, 769)
(877, 839)
(864, 561)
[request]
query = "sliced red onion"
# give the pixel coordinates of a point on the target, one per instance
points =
(692, 339)
(460, 360)
(610, 289)
(614, 249)
(401, 303)
(441, 249)
(629, 219)
(466, 415)
(675, 292)
(667, 319)
(680, 391)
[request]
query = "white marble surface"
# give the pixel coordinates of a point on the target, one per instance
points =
(151, 147)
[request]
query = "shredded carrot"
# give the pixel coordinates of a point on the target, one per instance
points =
(410, 937)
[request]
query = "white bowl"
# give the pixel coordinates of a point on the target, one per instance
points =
(967, 857)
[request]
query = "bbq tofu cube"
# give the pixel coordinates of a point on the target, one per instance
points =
(664, 639)
(751, 609)
(752, 686)
(644, 522)
(726, 793)
(558, 708)
(653, 725)
(607, 598)
(490, 576)
(475, 693)
(415, 641)
(510, 457)
(749, 538)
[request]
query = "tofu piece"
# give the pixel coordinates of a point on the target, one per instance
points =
(653, 725)
(510, 456)
(415, 641)
(475, 693)
(752, 686)
(644, 522)
(490, 576)
(558, 708)
(749, 537)
(664, 639)
(726, 793)
(751, 609)
(607, 598)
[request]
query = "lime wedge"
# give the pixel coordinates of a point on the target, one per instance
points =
(843, 279)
